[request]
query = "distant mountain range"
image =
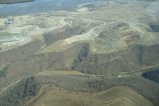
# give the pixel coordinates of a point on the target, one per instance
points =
(13, 1)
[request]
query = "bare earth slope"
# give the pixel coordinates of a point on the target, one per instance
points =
(120, 96)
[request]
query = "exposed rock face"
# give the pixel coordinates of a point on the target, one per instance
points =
(61, 34)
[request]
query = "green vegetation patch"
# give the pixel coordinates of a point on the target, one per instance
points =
(98, 84)
(3, 71)
(19, 94)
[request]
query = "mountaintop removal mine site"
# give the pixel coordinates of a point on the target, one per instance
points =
(79, 53)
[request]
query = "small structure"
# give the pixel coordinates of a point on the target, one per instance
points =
(9, 21)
